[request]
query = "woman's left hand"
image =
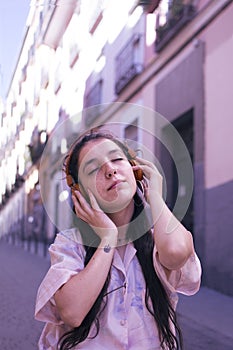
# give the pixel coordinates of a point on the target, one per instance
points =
(173, 242)
(153, 177)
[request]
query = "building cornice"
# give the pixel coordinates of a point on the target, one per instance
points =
(59, 20)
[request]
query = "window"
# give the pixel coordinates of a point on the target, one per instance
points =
(93, 99)
(131, 131)
(128, 63)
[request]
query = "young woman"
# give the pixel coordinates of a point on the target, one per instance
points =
(114, 277)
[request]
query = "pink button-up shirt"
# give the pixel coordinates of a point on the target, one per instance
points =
(125, 322)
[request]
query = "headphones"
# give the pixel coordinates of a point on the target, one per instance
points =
(131, 155)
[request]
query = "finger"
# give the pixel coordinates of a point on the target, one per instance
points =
(82, 207)
(80, 212)
(93, 201)
(82, 200)
(147, 171)
(151, 165)
(74, 199)
(143, 161)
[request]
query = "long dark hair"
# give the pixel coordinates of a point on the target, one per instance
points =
(162, 310)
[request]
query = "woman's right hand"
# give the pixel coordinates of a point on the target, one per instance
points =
(94, 216)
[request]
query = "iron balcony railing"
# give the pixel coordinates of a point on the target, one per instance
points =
(180, 12)
(128, 63)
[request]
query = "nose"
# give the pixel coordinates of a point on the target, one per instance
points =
(110, 171)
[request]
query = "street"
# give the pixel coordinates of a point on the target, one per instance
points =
(206, 318)
(197, 337)
(20, 275)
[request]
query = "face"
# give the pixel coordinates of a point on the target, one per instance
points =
(106, 171)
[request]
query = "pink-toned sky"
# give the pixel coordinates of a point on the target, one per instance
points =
(13, 16)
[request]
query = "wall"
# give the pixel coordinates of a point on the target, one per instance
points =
(182, 87)
(218, 151)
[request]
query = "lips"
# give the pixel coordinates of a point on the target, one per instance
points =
(114, 184)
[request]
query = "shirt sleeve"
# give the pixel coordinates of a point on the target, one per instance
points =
(185, 280)
(67, 259)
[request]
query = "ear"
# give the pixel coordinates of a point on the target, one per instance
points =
(137, 173)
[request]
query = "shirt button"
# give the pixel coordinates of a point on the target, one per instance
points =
(123, 322)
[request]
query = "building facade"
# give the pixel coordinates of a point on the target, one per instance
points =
(145, 68)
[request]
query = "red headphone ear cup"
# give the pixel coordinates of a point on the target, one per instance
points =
(69, 180)
(76, 187)
(137, 173)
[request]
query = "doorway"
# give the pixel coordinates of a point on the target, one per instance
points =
(177, 190)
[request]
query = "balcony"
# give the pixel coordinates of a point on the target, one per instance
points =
(149, 6)
(74, 55)
(44, 78)
(23, 74)
(37, 145)
(95, 20)
(179, 13)
(128, 63)
(55, 20)
(36, 99)
(19, 180)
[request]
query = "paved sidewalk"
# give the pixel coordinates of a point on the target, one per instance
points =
(20, 274)
(206, 318)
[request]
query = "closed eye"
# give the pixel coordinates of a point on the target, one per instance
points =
(112, 160)
(117, 159)
(93, 171)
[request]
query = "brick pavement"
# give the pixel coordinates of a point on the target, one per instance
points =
(20, 276)
(206, 318)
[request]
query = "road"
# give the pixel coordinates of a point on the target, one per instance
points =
(206, 318)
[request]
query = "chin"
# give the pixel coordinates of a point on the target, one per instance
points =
(116, 205)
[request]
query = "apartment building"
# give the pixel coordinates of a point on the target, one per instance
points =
(157, 73)
(185, 75)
